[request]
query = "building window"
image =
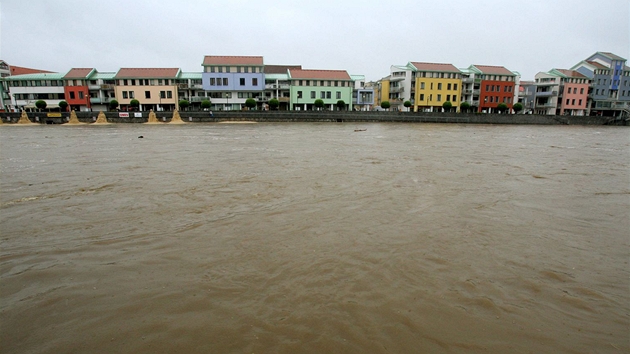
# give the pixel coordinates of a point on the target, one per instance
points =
(328, 94)
(246, 69)
(439, 97)
(448, 87)
(422, 97)
(131, 95)
(448, 98)
(162, 94)
(580, 102)
(454, 98)
(313, 95)
(573, 101)
(72, 95)
(487, 87)
(322, 94)
(255, 81)
(81, 95)
(338, 95)
(147, 94)
(169, 94)
(439, 87)
(212, 82)
(455, 87)
(125, 95)
(299, 94)
(242, 81)
(225, 81)
(422, 85)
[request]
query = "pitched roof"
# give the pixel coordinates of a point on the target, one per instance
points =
(435, 67)
(612, 56)
(149, 73)
(572, 73)
(493, 70)
(19, 70)
(232, 60)
(597, 65)
(34, 76)
(280, 69)
(319, 74)
(79, 73)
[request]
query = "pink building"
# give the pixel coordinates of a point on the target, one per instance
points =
(574, 96)
(561, 92)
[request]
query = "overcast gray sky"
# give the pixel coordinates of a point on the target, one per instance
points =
(360, 36)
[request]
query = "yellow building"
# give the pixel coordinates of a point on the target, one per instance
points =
(383, 94)
(154, 88)
(434, 85)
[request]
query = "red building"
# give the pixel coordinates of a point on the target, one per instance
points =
(76, 88)
(496, 86)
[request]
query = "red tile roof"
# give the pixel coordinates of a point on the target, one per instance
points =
(232, 60)
(148, 73)
(280, 69)
(494, 70)
(19, 70)
(597, 65)
(319, 74)
(78, 73)
(572, 73)
(613, 56)
(436, 67)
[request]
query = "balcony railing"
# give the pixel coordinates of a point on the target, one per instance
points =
(467, 80)
(277, 86)
(396, 89)
(546, 93)
(95, 100)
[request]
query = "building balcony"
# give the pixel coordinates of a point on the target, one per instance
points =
(468, 80)
(545, 105)
(397, 78)
(197, 98)
(277, 86)
(94, 87)
(396, 89)
(467, 91)
(95, 100)
(476, 92)
(546, 93)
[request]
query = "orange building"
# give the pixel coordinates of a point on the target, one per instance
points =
(76, 88)
(496, 86)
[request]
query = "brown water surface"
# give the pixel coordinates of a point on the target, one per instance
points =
(314, 238)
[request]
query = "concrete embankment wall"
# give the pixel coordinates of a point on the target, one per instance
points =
(311, 116)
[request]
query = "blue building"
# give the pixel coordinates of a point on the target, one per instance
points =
(231, 80)
(610, 83)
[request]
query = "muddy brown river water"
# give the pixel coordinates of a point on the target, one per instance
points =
(314, 238)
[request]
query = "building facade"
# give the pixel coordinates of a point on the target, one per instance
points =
(231, 80)
(610, 83)
(154, 88)
(433, 85)
(561, 92)
(330, 86)
(362, 95)
(494, 85)
(77, 88)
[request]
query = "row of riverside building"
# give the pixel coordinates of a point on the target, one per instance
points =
(597, 85)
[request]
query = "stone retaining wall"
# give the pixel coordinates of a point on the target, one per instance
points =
(311, 116)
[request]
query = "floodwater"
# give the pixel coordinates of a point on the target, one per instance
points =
(314, 238)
